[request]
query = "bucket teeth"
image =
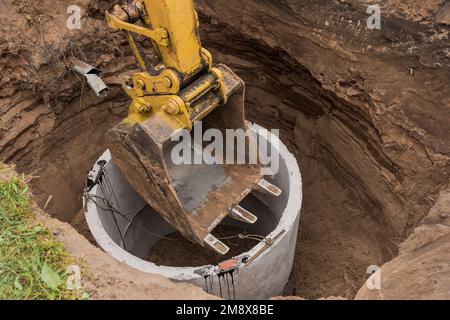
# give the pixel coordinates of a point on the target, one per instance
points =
(215, 244)
(241, 214)
(269, 188)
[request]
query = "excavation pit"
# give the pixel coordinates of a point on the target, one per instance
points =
(351, 174)
(133, 233)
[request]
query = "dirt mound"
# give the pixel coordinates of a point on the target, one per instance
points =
(105, 278)
(422, 266)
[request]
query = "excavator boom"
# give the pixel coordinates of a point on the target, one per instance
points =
(172, 95)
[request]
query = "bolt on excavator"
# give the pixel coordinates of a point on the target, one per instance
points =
(182, 88)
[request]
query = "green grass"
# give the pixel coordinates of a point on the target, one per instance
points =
(32, 264)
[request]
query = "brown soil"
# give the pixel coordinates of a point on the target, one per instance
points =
(422, 266)
(365, 112)
(181, 252)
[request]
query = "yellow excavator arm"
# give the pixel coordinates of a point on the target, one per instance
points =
(172, 27)
(183, 88)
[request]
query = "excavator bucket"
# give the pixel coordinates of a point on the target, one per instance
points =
(193, 198)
